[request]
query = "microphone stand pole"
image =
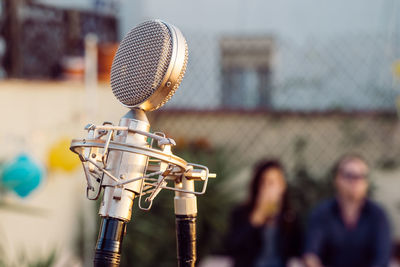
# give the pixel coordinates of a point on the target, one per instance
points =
(109, 242)
(185, 205)
(116, 207)
(117, 159)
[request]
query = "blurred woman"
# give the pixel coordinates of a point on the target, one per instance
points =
(265, 232)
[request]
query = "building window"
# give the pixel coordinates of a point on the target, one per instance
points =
(246, 72)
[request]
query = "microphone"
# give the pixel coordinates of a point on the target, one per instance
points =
(147, 69)
(149, 65)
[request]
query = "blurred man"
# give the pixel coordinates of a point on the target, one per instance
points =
(349, 230)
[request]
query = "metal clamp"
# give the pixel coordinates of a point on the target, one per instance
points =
(163, 163)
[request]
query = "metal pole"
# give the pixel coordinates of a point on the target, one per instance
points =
(185, 205)
(109, 242)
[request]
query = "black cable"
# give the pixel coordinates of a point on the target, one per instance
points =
(186, 240)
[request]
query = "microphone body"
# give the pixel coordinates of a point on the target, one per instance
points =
(117, 201)
(146, 71)
(116, 206)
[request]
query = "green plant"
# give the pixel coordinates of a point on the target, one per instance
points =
(23, 261)
(305, 190)
(150, 239)
(46, 261)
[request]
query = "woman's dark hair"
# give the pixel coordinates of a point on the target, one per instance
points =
(259, 169)
(286, 214)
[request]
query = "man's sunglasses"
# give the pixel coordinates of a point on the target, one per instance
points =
(352, 175)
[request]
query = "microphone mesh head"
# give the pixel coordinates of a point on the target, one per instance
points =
(141, 63)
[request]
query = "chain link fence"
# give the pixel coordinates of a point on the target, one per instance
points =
(249, 97)
(306, 103)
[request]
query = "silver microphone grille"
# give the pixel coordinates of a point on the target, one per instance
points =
(149, 65)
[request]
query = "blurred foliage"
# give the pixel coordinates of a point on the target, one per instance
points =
(21, 208)
(24, 261)
(307, 190)
(79, 240)
(150, 238)
(388, 163)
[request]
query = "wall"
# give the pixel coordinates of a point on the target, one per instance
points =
(36, 114)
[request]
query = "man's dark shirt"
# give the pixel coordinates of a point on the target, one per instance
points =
(367, 244)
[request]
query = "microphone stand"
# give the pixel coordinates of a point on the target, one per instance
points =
(120, 160)
(185, 206)
(116, 206)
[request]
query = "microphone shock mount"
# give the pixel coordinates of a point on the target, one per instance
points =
(162, 170)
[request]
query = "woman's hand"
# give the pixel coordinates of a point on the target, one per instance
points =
(263, 212)
(312, 260)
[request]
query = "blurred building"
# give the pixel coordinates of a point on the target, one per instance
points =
(321, 55)
(42, 41)
(304, 81)
(331, 55)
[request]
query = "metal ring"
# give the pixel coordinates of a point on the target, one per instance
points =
(150, 152)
